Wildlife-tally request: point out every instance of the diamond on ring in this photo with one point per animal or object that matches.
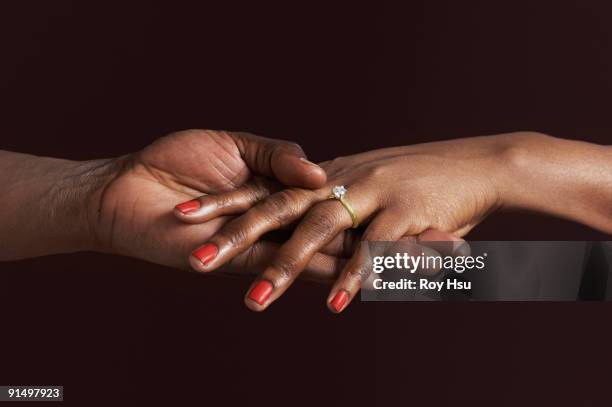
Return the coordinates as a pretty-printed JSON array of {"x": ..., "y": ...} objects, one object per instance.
[{"x": 338, "y": 191}]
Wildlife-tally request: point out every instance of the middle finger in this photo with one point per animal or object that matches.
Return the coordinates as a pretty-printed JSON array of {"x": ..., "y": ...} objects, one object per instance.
[{"x": 320, "y": 225}]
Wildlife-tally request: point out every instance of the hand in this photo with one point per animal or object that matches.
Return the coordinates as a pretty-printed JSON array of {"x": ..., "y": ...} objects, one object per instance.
[
  {"x": 129, "y": 213},
  {"x": 449, "y": 187},
  {"x": 133, "y": 217}
]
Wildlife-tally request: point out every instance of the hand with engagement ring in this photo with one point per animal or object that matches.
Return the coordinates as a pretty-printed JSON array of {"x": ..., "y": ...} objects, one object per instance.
[
  {"x": 395, "y": 193},
  {"x": 402, "y": 192}
]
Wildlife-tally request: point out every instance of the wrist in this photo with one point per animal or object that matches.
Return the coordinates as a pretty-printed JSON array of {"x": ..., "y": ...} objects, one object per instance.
[
  {"x": 564, "y": 178},
  {"x": 73, "y": 202},
  {"x": 515, "y": 161},
  {"x": 45, "y": 205}
]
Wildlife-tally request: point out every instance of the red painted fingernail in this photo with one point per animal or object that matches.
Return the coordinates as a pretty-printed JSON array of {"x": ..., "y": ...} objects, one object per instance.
[
  {"x": 206, "y": 253},
  {"x": 189, "y": 206},
  {"x": 261, "y": 292},
  {"x": 339, "y": 300}
]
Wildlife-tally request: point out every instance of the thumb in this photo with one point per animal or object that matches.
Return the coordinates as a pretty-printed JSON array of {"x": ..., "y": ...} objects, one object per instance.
[{"x": 279, "y": 159}]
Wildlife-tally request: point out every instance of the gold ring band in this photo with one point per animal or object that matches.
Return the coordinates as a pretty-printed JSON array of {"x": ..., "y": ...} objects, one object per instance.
[{"x": 338, "y": 194}]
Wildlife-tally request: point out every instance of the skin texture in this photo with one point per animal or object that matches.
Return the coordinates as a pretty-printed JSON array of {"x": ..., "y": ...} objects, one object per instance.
[
  {"x": 446, "y": 186},
  {"x": 125, "y": 205}
]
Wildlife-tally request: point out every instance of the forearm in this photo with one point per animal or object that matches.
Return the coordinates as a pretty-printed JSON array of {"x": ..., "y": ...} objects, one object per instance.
[
  {"x": 44, "y": 204},
  {"x": 565, "y": 178},
  {"x": 531, "y": 171}
]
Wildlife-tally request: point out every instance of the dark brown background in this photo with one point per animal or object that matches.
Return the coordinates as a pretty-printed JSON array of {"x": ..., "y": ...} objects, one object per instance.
[{"x": 95, "y": 80}]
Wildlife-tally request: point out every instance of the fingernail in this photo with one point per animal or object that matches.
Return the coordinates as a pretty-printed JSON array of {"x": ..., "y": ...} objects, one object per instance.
[
  {"x": 261, "y": 292},
  {"x": 308, "y": 162},
  {"x": 188, "y": 206},
  {"x": 339, "y": 300},
  {"x": 206, "y": 253}
]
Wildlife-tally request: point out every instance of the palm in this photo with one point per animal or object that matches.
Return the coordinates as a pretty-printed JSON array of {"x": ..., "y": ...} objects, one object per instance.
[{"x": 138, "y": 204}]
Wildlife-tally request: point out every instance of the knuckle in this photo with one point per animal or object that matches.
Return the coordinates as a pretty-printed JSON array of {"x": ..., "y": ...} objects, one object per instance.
[
  {"x": 279, "y": 201},
  {"x": 252, "y": 194},
  {"x": 322, "y": 222},
  {"x": 359, "y": 272},
  {"x": 234, "y": 234},
  {"x": 244, "y": 201},
  {"x": 286, "y": 267},
  {"x": 281, "y": 206},
  {"x": 375, "y": 171},
  {"x": 223, "y": 201}
]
